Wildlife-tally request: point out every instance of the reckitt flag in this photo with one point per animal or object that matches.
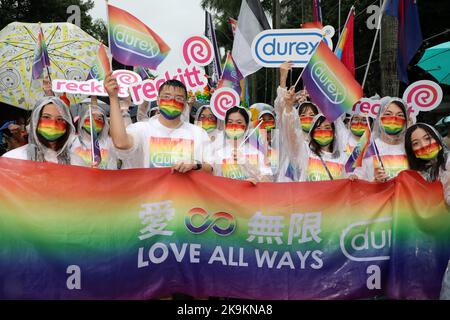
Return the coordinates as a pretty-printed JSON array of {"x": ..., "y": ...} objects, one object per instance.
[
  {"x": 132, "y": 43},
  {"x": 101, "y": 66},
  {"x": 330, "y": 85}
]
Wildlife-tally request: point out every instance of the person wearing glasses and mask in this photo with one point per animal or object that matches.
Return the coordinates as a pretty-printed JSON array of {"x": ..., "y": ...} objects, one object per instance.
[
  {"x": 205, "y": 119},
  {"x": 162, "y": 141}
]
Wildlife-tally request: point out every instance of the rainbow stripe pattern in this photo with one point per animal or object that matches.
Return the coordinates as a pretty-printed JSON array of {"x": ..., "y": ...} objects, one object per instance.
[
  {"x": 208, "y": 125},
  {"x": 392, "y": 125},
  {"x": 358, "y": 128},
  {"x": 323, "y": 137},
  {"x": 231, "y": 76},
  {"x": 101, "y": 66},
  {"x": 135, "y": 234},
  {"x": 132, "y": 42},
  {"x": 51, "y": 130},
  {"x": 234, "y": 130},
  {"x": 358, "y": 153},
  {"x": 166, "y": 152},
  {"x": 393, "y": 164},
  {"x": 86, "y": 155},
  {"x": 428, "y": 152},
  {"x": 330, "y": 85},
  {"x": 317, "y": 172},
  {"x": 170, "y": 108},
  {"x": 98, "y": 125},
  {"x": 41, "y": 59},
  {"x": 306, "y": 123}
]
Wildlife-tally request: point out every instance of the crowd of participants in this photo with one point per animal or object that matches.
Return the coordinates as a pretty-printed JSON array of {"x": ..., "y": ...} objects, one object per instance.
[{"x": 289, "y": 142}]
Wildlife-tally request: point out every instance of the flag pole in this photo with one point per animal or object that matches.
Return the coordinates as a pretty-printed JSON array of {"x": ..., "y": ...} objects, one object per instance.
[
  {"x": 342, "y": 31},
  {"x": 374, "y": 42},
  {"x": 92, "y": 135},
  {"x": 254, "y": 130},
  {"x": 339, "y": 15},
  {"x": 301, "y": 73},
  {"x": 109, "y": 35},
  {"x": 374, "y": 143}
]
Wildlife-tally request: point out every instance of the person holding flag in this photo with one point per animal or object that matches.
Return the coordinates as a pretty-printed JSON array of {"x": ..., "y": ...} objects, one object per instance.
[
  {"x": 357, "y": 126},
  {"x": 51, "y": 135},
  {"x": 94, "y": 139},
  {"x": 319, "y": 157},
  {"x": 388, "y": 137},
  {"x": 162, "y": 141},
  {"x": 234, "y": 156},
  {"x": 428, "y": 154}
]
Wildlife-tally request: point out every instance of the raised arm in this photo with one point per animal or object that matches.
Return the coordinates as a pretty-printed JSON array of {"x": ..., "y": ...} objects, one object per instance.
[{"x": 121, "y": 139}]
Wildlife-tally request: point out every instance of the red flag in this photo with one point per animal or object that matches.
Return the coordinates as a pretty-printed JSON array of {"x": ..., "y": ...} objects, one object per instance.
[{"x": 345, "y": 47}]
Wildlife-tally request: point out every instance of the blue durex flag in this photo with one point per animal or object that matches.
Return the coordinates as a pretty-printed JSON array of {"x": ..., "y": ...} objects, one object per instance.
[{"x": 409, "y": 33}]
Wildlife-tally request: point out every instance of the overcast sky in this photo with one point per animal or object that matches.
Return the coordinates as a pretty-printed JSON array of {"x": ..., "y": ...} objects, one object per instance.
[{"x": 173, "y": 20}]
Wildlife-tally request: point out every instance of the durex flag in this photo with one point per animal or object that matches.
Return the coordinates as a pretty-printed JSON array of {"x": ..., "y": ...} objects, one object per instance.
[
  {"x": 133, "y": 43},
  {"x": 329, "y": 83},
  {"x": 409, "y": 33}
]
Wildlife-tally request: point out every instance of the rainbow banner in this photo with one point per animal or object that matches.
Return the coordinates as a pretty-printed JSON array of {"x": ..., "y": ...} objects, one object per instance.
[
  {"x": 40, "y": 57},
  {"x": 133, "y": 43},
  {"x": 71, "y": 232},
  {"x": 101, "y": 66},
  {"x": 330, "y": 85}
]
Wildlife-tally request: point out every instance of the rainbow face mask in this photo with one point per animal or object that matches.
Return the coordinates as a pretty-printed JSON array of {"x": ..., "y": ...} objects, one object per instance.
[
  {"x": 51, "y": 130},
  {"x": 234, "y": 131},
  {"x": 170, "y": 108},
  {"x": 98, "y": 125},
  {"x": 208, "y": 125},
  {"x": 429, "y": 152},
  {"x": 268, "y": 125},
  {"x": 392, "y": 125},
  {"x": 306, "y": 123},
  {"x": 323, "y": 136},
  {"x": 358, "y": 128}
]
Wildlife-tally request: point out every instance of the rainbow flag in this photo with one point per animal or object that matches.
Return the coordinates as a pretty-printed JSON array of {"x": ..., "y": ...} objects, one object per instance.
[
  {"x": 330, "y": 85},
  {"x": 344, "y": 49},
  {"x": 101, "y": 66},
  {"x": 317, "y": 11},
  {"x": 231, "y": 76},
  {"x": 144, "y": 73},
  {"x": 40, "y": 56},
  {"x": 121, "y": 231},
  {"x": 359, "y": 152},
  {"x": 132, "y": 42}
]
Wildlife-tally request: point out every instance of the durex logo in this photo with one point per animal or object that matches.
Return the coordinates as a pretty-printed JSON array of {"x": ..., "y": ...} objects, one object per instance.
[
  {"x": 328, "y": 83},
  {"x": 135, "y": 42},
  {"x": 367, "y": 240},
  {"x": 271, "y": 48}
]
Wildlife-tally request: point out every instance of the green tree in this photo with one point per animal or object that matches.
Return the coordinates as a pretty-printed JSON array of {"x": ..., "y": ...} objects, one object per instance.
[{"x": 50, "y": 11}]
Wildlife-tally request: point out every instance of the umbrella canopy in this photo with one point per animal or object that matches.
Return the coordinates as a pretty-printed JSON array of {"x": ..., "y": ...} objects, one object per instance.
[
  {"x": 71, "y": 51},
  {"x": 436, "y": 61}
]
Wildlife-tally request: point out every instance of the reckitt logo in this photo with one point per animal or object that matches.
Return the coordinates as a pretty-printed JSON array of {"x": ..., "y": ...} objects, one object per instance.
[
  {"x": 135, "y": 42},
  {"x": 328, "y": 83}
]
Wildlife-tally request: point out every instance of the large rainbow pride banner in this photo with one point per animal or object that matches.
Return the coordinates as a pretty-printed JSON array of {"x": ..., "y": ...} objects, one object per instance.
[{"x": 80, "y": 233}]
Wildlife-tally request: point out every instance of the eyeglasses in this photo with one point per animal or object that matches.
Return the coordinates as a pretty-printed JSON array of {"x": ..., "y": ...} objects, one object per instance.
[{"x": 180, "y": 99}]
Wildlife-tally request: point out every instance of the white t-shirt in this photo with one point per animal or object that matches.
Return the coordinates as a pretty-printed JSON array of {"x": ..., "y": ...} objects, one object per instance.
[
  {"x": 157, "y": 146},
  {"x": 109, "y": 157},
  {"x": 315, "y": 170},
  {"x": 393, "y": 158},
  {"x": 250, "y": 164}
]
